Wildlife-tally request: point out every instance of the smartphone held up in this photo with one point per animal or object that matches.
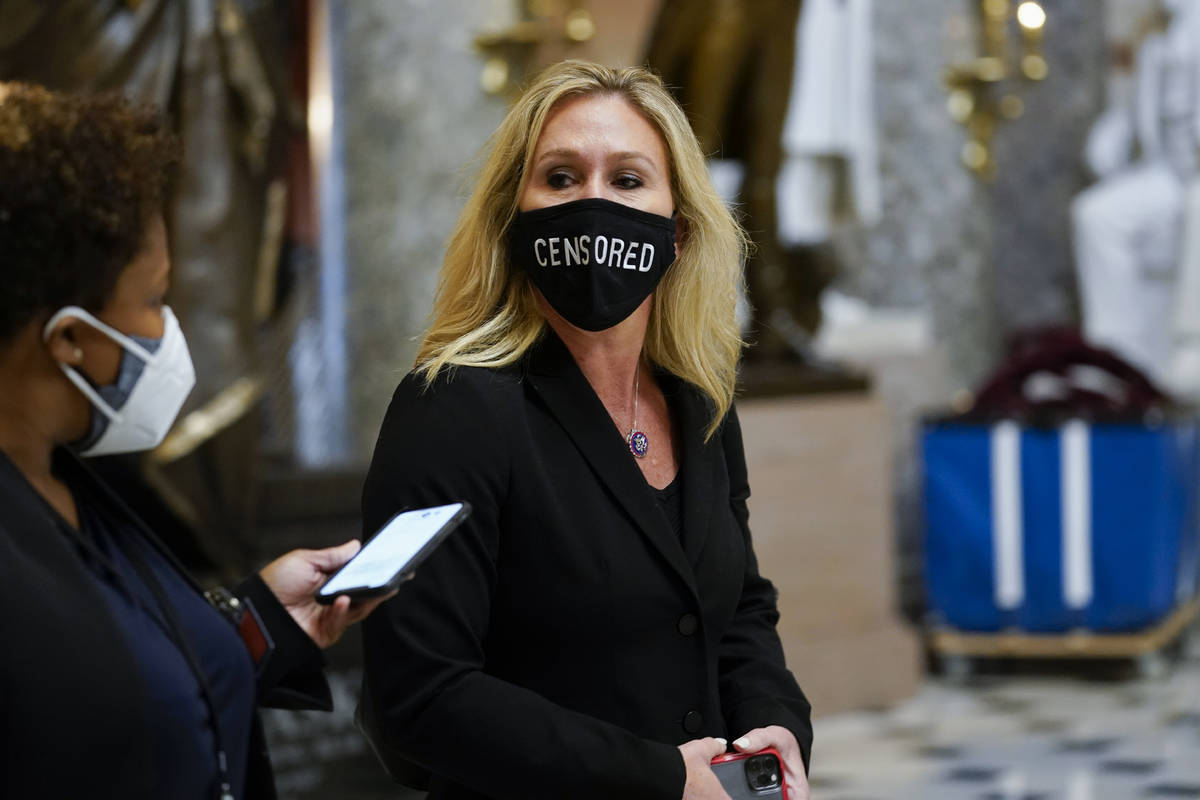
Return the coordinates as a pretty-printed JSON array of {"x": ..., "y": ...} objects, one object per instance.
[{"x": 394, "y": 552}]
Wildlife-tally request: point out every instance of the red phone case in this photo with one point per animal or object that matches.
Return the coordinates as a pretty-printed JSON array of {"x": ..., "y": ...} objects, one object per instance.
[{"x": 730, "y": 771}]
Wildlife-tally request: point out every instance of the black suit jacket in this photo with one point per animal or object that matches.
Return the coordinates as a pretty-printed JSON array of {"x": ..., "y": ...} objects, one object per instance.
[
  {"x": 73, "y": 713},
  {"x": 564, "y": 640}
]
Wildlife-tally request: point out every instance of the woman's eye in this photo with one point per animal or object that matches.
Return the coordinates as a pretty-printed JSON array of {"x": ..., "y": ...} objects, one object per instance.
[
  {"x": 558, "y": 180},
  {"x": 628, "y": 181}
]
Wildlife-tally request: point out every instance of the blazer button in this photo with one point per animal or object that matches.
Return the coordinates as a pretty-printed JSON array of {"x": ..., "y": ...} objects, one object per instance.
[
  {"x": 688, "y": 624},
  {"x": 693, "y": 722}
]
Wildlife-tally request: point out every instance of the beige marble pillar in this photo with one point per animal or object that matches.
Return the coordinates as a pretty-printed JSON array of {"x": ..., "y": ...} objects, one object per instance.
[{"x": 821, "y": 516}]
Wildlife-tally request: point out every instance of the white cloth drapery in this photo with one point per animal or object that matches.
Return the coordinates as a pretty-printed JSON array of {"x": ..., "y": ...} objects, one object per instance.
[{"x": 831, "y": 162}]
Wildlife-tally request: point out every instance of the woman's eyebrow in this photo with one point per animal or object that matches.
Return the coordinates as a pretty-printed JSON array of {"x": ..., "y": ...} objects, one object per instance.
[
  {"x": 558, "y": 152},
  {"x": 647, "y": 164},
  {"x": 623, "y": 155},
  {"x": 631, "y": 155}
]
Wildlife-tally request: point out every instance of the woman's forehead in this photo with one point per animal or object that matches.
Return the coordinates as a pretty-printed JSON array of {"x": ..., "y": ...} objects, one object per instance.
[
  {"x": 151, "y": 266},
  {"x": 600, "y": 123}
]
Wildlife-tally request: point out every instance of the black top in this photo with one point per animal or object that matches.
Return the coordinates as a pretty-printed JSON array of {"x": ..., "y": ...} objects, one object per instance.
[
  {"x": 185, "y": 760},
  {"x": 670, "y": 502},
  {"x": 564, "y": 640},
  {"x": 76, "y": 717}
]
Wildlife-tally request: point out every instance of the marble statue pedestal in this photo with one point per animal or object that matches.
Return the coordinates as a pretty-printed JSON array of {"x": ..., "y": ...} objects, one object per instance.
[{"x": 821, "y": 515}]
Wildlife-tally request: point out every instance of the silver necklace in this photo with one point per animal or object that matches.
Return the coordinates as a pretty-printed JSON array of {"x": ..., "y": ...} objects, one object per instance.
[{"x": 639, "y": 443}]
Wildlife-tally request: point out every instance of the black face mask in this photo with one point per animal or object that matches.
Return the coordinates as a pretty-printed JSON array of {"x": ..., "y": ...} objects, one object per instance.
[{"x": 594, "y": 260}]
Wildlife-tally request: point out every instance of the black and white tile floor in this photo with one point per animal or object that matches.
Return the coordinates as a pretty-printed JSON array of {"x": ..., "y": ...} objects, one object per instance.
[{"x": 1032, "y": 737}]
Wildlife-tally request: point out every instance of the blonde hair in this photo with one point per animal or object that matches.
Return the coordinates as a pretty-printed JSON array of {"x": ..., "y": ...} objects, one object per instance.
[{"x": 485, "y": 312}]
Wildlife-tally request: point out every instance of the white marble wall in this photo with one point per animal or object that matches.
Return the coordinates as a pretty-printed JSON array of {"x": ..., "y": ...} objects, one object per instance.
[
  {"x": 1042, "y": 169},
  {"x": 984, "y": 259}
]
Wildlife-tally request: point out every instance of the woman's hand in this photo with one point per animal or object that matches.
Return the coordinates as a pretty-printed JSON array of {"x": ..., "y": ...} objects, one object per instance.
[
  {"x": 294, "y": 579},
  {"x": 785, "y": 743},
  {"x": 702, "y": 783}
]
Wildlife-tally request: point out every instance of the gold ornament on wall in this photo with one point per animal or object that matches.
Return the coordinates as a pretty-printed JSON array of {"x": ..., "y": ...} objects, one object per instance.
[
  {"x": 509, "y": 54},
  {"x": 983, "y": 90}
]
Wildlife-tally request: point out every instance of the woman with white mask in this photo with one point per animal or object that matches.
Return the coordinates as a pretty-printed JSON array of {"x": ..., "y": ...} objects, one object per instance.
[{"x": 118, "y": 676}]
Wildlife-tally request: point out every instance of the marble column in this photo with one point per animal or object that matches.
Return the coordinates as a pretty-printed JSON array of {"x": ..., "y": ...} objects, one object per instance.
[
  {"x": 408, "y": 118},
  {"x": 1040, "y": 169},
  {"x": 931, "y": 249}
]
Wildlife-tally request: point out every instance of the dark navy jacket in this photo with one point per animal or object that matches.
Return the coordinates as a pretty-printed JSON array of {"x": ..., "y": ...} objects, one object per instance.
[{"x": 72, "y": 711}]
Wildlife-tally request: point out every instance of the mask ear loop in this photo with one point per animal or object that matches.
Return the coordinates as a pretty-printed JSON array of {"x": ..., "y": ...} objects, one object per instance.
[
  {"x": 73, "y": 374},
  {"x": 112, "y": 333},
  {"x": 82, "y": 384}
]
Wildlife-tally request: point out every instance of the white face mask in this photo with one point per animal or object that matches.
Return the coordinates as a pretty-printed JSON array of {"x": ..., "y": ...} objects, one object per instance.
[{"x": 141, "y": 407}]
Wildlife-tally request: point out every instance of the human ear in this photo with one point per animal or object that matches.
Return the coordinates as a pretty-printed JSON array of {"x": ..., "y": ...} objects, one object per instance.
[
  {"x": 681, "y": 232},
  {"x": 62, "y": 342}
]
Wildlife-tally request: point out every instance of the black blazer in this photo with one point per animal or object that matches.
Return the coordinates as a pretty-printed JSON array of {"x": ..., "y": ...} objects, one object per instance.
[
  {"x": 72, "y": 712},
  {"x": 564, "y": 640}
]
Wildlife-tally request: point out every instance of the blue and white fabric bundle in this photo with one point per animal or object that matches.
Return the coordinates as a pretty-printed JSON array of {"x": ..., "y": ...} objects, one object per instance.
[{"x": 1049, "y": 519}]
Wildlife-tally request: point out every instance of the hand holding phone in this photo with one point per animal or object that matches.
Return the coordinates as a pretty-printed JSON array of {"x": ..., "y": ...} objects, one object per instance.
[
  {"x": 783, "y": 743},
  {"x": 699, "y": 781},
  {"x": 751, "y": 776},
  {"x": 294, "y": 579},
  {"x": 394, "y": 552}
]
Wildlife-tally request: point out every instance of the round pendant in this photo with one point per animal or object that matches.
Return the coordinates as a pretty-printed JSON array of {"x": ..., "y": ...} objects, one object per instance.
[{"x": 638, "y": 444}]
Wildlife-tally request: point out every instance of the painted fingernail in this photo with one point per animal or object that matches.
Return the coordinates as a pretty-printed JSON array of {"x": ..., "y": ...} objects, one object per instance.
[{"x": 722, "y": 741}]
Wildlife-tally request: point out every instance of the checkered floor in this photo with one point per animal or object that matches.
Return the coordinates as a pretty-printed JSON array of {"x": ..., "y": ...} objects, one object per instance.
[
  {"x": 1095, "y": 734},
  {"x": 1035, "y": 736}
]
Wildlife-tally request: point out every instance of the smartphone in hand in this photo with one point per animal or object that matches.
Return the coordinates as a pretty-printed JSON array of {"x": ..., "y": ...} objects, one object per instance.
[
  {"x": 751, "y": 776},
  {"x": 394, "y": 552}
]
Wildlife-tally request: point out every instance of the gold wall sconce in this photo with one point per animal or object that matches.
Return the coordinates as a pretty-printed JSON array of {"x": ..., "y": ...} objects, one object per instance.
[
  {"x": 982, "y": 91},
  {"x": 509, "y": 54}
]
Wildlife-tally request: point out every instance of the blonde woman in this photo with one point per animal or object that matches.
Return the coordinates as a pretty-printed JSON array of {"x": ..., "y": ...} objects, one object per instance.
[{"x": 598, "y": 628}]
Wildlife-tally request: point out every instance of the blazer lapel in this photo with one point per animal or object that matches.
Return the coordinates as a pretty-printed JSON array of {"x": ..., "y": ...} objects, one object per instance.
[
  {"x": 697, "y": 464},
  {"x": 553, "y": 374}
]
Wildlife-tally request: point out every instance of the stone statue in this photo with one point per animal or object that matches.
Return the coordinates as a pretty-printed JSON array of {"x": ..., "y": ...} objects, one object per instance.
[
  {"x": 732, "y": 64},
  {"x": 199, "y": 61},
  {"x": 1129, "y": 226}
]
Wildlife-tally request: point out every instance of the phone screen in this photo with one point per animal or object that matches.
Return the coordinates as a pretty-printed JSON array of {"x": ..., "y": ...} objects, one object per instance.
[{"x": 390, "y": 552}]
